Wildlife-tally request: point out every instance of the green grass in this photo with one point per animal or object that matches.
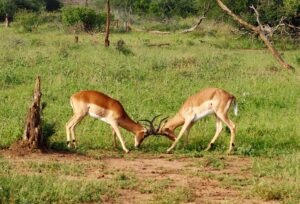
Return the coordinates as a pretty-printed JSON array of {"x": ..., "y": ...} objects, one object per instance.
[
  {"x": 42, "y": 182},
  {"x": 278, "y": 178},
  {"x": 150, "y": 81}
]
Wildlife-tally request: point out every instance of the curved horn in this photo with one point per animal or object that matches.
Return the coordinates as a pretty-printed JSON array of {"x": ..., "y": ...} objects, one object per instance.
[
  {"x": 161, "y": 121},
  {"x": 150, "y": 125},
  {"x": 152, "y": 130},
  {"x": 153, "y": 119}
]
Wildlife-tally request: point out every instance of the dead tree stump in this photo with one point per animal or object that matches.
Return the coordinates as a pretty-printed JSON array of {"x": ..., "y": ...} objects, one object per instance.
[{"x": 33, "y": 138}]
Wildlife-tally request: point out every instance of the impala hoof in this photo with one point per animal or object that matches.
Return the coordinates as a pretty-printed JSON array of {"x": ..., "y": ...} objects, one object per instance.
[
  {"x": 169, "y": 151},
  {"x": 209, "y": 147}
]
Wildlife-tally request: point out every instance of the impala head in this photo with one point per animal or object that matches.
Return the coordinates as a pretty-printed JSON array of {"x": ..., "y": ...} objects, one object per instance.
[
  {"x": 165, "y": 131},
  {"x": 150, "y": 129}
]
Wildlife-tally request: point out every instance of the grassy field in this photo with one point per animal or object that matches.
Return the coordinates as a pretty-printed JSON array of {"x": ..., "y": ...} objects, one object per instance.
[{"x": 149, "y": 81}]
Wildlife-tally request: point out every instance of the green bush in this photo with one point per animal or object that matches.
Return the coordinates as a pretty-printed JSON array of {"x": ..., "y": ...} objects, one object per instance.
[
  {"x": 28, "y": 21},
  {"x": 87, "y": 16},
  {"x": 7, "y": 7},
  {"x": 53, "y": 5}
]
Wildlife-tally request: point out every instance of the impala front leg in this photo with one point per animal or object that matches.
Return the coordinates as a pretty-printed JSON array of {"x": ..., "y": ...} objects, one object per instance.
[
  {"x": 115, "y": 144},
  {"x": 118, "y": 133},
  {"x": 185, "y": 126}
]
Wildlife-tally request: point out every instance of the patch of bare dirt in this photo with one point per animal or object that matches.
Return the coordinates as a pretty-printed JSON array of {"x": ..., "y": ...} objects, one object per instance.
[{"x": 205, "y": 182}]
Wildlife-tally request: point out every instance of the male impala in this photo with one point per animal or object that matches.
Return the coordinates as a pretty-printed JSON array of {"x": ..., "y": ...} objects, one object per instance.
[
  {"x": 102, "y": 107},
  {"x": 208, "y": 101}
]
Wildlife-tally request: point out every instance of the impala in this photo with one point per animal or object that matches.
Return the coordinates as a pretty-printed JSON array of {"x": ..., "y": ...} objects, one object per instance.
[
  {"x": 208, "y": 101},
  {"x": 111, "y": 111}
]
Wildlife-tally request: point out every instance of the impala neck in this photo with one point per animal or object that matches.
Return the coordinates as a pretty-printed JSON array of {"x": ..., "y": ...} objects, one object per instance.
[
  {"x": 174, "y": 122},
  {"x": 130, "y": 125}
]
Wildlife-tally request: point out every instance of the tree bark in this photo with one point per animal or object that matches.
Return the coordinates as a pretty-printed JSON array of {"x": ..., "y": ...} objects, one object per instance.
[
  {"x": 107, "y": 24},
  {"x": 33, "y": 137},
  {"x": 6, "y": 21},
  {"x": 257, "y": 30}
]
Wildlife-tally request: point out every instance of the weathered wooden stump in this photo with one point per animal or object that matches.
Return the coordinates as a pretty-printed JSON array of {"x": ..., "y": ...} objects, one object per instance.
[{"x": 33, "y": 137}]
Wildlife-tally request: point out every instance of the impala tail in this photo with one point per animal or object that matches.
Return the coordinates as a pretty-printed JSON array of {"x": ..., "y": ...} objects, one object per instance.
[{"x": 235, "y": 107}]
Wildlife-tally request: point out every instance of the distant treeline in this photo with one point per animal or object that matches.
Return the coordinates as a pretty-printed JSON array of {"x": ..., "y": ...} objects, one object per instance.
[
  {"x": 10, "y": 7},
  {"x": 270, "y": 11}
]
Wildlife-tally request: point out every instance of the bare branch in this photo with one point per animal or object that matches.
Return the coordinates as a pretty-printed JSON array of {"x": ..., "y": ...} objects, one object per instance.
[
  {"x": 257, "y": 30},
  {"x": 257, "y": 17},
  {"x": 199, "y": 21}
]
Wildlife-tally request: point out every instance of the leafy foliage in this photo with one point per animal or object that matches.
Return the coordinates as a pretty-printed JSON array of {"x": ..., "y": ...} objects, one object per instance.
[
  {"x": 11, "y": 6},
  {"x": 7, "y": 7},
  {"x": 87, "y": 16},
  {"x": 28, "y": 21},
  {"x": 271, "y": 11}
]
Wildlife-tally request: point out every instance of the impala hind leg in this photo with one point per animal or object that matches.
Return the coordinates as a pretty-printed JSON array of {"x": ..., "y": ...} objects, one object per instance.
[
  {"x": 232, "y": 128},
  {"x": 115, "y": 144},
  {"x": 219, "y": 128},
  {"x": 118, "y": 133},
  {"x": 72, "y": 124},
  {"x": 68, "y": 131},
  {"x": 183, "y": 129}
]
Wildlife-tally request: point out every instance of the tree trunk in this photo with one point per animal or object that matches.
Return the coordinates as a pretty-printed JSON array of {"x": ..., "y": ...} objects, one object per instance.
[
  {"x": 107, "y": 24},
  {"x": 33, "y": 137},
  {"x": 6, "y": 21},
  {"x": 257, "y": 30}
]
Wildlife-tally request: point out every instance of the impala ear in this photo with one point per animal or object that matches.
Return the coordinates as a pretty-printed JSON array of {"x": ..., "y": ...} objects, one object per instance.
[{"x": 164, "y": 129}]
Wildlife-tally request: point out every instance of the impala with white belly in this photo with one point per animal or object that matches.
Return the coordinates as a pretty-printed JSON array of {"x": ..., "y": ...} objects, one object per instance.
[
  {"x": 208, "y": 101},
  {"x": 109, "y": 110}
]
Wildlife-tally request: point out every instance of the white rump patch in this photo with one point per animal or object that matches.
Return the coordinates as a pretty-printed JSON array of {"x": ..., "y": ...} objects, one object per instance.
[{"x": 98, "y": 117}]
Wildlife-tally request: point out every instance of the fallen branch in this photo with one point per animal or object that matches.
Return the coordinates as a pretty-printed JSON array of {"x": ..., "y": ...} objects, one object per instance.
[
  {"x": 268, "y": 30},
  {"x": 158, "y": 44},
  {"x": 199, "y": 21},
  {"x": 259, "y": 30},
  {"x": 194, "y": 27},
  {"x": 158, "y": 32}
]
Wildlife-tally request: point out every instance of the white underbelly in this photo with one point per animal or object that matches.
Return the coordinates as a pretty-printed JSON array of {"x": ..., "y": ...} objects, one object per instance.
[
  {"x": 202, "y": 114},
  {"x": 98, "y": 117}
]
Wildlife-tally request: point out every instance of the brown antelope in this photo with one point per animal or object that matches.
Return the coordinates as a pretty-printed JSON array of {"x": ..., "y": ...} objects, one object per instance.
[
  {"x": 208, "y": 101},
  {"x": 111, "y": 111}
]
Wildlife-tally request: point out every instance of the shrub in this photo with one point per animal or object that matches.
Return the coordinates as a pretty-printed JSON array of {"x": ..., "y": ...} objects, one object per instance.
[
  {"x": 53, "y": 5},
  {"x": 49, "y": 17},
  {"x": 7, "y": 7},
  {"x": 87, "y": 16},
  {"x": 28, "y": 21},
  {"x": 122, "y": 48}
]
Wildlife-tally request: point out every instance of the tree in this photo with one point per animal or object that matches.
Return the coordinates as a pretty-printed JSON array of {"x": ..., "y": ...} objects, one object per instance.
[
  {"x": 8, "y": 7},
  {"x": 259, "y": 30},
  {"x": 107, "y": 24}
]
